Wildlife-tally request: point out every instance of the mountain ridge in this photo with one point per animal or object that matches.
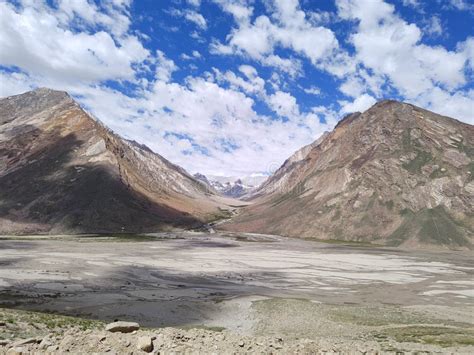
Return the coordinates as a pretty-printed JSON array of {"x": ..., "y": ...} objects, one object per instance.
[
  {"x": 61, "y": 170},
  {"x": 381, "y": 176}
]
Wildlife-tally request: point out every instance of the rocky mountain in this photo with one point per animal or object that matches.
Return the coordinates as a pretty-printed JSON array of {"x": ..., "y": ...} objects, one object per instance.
[
  {"x": 228, "y": 186},
  {"x": 394, "y": 175},
  {"x": 62, "y": 171}
]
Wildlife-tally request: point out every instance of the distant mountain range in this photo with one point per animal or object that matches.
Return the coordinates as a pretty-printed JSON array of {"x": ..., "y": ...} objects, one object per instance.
[
  {"x": 62, "y": 171},
  {"x": 232, "y": 186},
  {"x": 394, "y": 175}
]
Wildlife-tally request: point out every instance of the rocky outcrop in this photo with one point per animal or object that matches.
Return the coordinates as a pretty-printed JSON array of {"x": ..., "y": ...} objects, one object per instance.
[
  {"x": 62, "y": 171},
  {"x": 122, "y": 327},
  {"x": 394, "y": 175}
]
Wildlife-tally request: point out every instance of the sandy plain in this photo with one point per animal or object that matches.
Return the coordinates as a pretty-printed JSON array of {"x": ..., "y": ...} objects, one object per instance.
[{"x": 251, "y": 285}]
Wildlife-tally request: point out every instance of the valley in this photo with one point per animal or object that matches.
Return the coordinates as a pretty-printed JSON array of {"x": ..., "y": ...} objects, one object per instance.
[
  {"x": 360, "y": 242},
  {"x": 245, "y": 286}
]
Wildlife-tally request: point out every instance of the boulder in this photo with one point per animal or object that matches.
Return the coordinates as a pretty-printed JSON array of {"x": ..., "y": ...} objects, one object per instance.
[
  {"x": 15, "y": 351},
  {"x": 145, "y": 343},
  {"x": 122, "y": 327}
]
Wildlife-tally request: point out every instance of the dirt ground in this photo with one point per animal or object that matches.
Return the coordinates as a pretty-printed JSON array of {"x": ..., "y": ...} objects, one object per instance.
[{"x": 297, "y": 295}]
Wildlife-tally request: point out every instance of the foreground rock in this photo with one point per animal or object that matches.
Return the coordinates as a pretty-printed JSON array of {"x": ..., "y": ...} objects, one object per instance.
[
  {"x": 122, "y": 327},
  {"x": 55, "y": 334},
  {"x": 145, "y": 343}
]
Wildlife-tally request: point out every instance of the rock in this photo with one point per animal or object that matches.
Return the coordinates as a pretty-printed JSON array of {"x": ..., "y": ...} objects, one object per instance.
[
  {"x": 241, "y": 343},
  {"x": 145, "y": 343},
  {"x": 15, "y": 351},
  {"x": 52, "y": 348},
  {"x": 3, "y": 342},
  {"x": 2, "y": 324},
  {"x": 26, "y": 341},
  {"x": 122, "y": 327},
  {"x": 45, "y": 343}
]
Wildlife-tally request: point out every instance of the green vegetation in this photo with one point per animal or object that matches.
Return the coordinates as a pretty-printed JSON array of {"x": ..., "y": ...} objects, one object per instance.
[
  {"x": 436, "y": 335},
  {"x": 414, "y": 166},
  {"x": 468, "y": 150},
  {"x": 117, "y": 237},
  {"x": 431, "y": 225},
  {"x": 210, "y": 328},
  {"x": 389, "y": 204},
  {"x": 471, "y": 170},
  {"x": 222, "y": 214},
  {"x": 438, "y": 173},
  {"x": 351, "y": 243},
  {"x": 46, "y": 321},
  {"x": 406, "y": 139}
]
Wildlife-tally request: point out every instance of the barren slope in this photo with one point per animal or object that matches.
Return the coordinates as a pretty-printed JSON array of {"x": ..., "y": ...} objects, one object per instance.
[
  {"x": 395, "y": 174},
  {"x": 62, "y": 171}
]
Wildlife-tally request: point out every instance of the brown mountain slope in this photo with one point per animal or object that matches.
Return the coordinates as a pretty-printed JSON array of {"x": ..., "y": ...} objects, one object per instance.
[
  {"x": 395, "y": 175},
  {"x": 61, "y": 171}
]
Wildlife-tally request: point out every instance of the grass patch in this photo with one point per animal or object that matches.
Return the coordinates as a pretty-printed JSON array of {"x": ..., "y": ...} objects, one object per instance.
[
  {"x": 49, "y": 320},
  {"x": 470, "y": 168},
  {"x": 435, "y": 335},
  {"x": 117, "y": 237},
  {"x": 468, "y": 150},
  {"x": 204, "y": 327},
  {"x": 422, "y": 158},
  {"x": 406, "y": 139},
  {"x": 344, "y": 242},
  {"x": 430, "y": 225}
]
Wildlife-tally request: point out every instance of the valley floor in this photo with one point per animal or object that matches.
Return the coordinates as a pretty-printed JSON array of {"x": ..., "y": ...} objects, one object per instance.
[{"x": 229, "y": 292}]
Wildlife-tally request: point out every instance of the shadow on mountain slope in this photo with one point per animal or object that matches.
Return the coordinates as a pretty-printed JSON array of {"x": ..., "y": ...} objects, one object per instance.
[{"x": 46, "y": 192}]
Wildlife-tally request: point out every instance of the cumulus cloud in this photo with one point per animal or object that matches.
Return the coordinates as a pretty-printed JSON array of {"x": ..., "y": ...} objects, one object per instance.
[
  {"x": 245, "y": 117},
  {"x": 360, "y": 104},
  {"x": 34, "y": 39},
  {"x": 392, "y": 50},
  {"x": 288, "y": 27}
]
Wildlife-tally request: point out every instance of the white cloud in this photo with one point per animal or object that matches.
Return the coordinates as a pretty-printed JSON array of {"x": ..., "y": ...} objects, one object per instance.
[
  {"x": 164, "y": 67},
  {"x": 239, "y": 9},
  {"x": 360, "y": 104},
  {"x": 391, "y": 48},
  {"x": 253, "y": 84},
  {"x": 284, "y": 104},
  {"x": 218, "y": 128},
  {"x": 34, "y": 38},
  {"x": 191, "y": 16},
  {"x": 196, "y": 18},
  {"x": 462, "y": 5},
  {"x": 210, "y": 123},
  {"x": 433, "y": 27},
  {"x": 196, "y": 3},
  {"x": 288, "y": 27},
  {"x": 313, "y": 90},
  {"x": 412, "y": 3},
  {"x": 14, "y": 83}
]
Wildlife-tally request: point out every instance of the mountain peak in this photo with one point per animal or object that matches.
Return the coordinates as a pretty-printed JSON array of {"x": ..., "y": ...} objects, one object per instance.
[
  {"x": 62, "y": 171},
  {"x": 381, "y": 176}
]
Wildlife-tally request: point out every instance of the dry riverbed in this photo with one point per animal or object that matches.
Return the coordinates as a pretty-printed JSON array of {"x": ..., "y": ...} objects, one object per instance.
[{"x": 220, "y": 291}]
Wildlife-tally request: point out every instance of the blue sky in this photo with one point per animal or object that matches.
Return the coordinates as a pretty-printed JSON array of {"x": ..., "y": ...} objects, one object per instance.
[{"x": 235, "y": 87}]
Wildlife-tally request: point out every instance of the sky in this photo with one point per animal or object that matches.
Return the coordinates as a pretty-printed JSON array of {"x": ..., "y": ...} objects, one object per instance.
[{"x": 234, "y": 87}]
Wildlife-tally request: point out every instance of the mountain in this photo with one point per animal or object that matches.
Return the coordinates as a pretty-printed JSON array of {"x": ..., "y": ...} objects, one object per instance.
[
  {"x": 279, "y": 179},
  {"x": 62, "y": 171},
  {"x": 230, "y": 186},
  {"x": 393, "y": 175}
]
